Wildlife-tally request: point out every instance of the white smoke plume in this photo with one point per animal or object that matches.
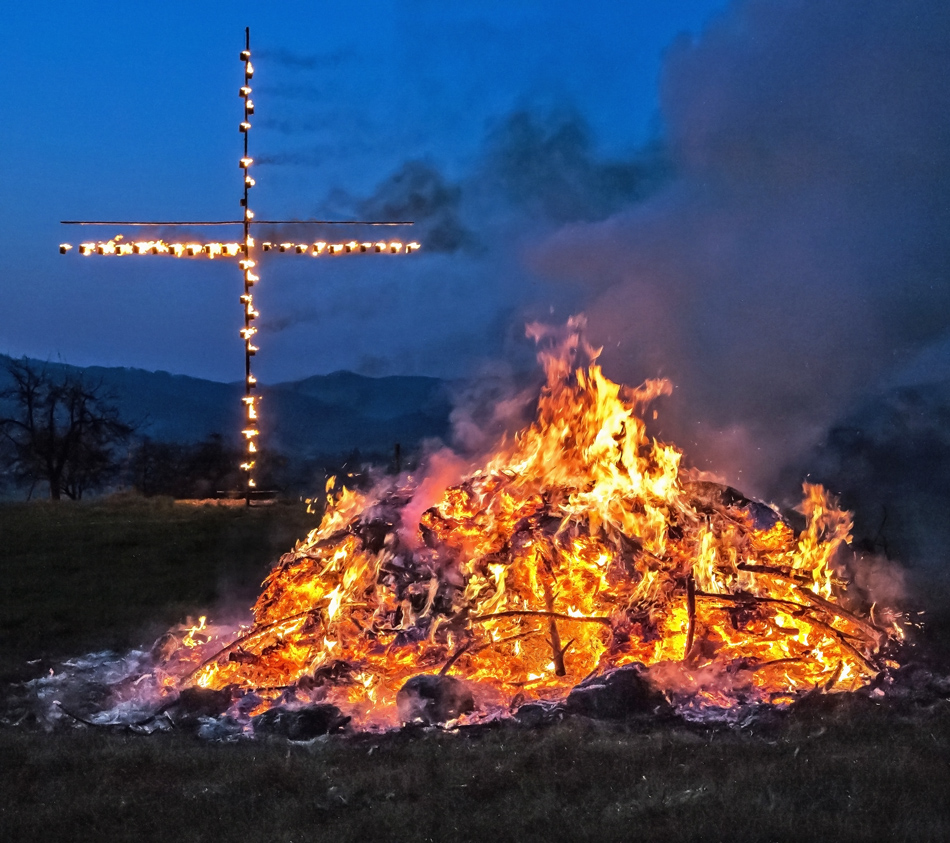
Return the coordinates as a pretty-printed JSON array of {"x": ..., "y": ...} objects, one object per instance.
[{"x": 800, "y": 255}]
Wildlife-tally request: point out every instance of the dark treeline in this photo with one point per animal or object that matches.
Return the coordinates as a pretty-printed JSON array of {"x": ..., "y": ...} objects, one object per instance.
[{"x": 62, "y": 436}]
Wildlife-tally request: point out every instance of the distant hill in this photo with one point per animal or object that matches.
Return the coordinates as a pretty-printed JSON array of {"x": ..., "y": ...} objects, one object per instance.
[{"x": 320, "y": 416}]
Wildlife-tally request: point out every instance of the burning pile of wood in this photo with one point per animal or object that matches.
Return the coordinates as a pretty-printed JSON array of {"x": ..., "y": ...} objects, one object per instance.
[
  {"x": 580, "y": 556},
  {"x": 580, "y": 547}
]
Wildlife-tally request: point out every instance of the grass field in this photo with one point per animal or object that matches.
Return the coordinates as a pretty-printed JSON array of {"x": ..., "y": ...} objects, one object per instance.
[
  {"x": 114, "y": 574},
  {"x": 79, "y": 577}
]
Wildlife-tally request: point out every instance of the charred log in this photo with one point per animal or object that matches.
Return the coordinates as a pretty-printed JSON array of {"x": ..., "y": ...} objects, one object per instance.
[
  {"x": 433, "y": 700},
  {"x": 301, "y": 724},
  {"x": 615, "y": 695}
]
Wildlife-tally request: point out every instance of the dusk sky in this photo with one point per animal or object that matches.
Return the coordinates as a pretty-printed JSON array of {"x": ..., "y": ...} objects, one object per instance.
[
  {"x": 120, "y": 111},
  {"x": 748, "y": 197}
]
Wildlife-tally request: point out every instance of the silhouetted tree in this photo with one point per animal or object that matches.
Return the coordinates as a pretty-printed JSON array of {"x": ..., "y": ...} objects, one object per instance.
[{"x": 60, "y": 429}]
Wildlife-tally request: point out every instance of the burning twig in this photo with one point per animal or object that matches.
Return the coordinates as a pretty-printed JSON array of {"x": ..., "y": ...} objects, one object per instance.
[
  {"x": 455, "y": 657},
  {"x": 536, "y": 613},
  {"x": 691, "y": 613},
  {"x": 234, "y": 645},
  {"x": 843, "y": 641},
  {"x": 875, "y": 634},
  {"x": 553, "y": 638},
  {"x": 751, "y": 599},
  {"x": 774, "y": 571}
]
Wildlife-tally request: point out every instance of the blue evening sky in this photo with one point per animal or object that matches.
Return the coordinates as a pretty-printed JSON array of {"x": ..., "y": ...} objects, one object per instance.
[{"x": 118, "y": 110}]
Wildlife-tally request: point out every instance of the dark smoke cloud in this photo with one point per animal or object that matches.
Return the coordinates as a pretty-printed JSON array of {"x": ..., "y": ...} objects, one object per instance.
[
  {"x": 547, "y": 164},
  {"x": 801, "y": 253},
  {"x": 419, "y": 192},
  {"x": 533, "y": 169}
]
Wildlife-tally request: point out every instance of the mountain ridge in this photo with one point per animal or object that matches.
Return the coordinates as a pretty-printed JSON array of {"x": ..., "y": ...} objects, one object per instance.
[{"x": 316, "y": 416}]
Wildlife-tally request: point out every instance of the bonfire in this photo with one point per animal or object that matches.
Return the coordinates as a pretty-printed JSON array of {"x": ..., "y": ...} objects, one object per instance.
[{"x": 581, "y": 547}]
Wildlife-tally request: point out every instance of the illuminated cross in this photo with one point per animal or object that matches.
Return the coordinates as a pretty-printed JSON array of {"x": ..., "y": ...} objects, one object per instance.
[{"x": 244, "y": 250}]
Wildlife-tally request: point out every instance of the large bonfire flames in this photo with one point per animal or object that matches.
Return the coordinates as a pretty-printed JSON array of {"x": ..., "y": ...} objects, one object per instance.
[{"x": 580, "y": 547}]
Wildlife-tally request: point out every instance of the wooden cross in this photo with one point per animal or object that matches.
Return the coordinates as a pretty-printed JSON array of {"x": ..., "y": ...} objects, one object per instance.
[{"x": 244, "y": 250}]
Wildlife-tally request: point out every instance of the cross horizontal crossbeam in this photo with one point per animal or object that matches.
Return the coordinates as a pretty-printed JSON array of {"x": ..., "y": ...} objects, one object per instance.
[{"x": 236, "y": 222}]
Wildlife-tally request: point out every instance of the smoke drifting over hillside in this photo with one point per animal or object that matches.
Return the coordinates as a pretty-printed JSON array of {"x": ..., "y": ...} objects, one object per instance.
[{"x": 801, "y": 253}]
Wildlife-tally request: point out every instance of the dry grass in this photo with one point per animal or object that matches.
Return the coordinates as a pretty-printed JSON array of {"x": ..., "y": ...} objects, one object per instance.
[
  {"x": 879, "y": 776},
  {"x": 78, "y": 577}
]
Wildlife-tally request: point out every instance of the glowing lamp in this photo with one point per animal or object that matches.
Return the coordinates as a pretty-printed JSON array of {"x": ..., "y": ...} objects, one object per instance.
[
  {"x": 245, "y": 163},
  {"x": 300, "y": 248},
  {"x": 244, "y": 126},
  {"x": 249, "y": 107},
  {"x": 245, "y": 91},
  {"x": 266, "y": 246},
  {"x": 248, "y": 70},
  {"x": 64, "y": 247},
  {"x": 245, "y": 55},
  {"x": 411, "y": 247}
]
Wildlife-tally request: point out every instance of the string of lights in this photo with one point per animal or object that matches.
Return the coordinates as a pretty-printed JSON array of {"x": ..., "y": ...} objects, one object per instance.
[
  {"x": 117, "y": 246},
  {"x": 245, "y": 251},
  {"x": 247, "y": 264}
]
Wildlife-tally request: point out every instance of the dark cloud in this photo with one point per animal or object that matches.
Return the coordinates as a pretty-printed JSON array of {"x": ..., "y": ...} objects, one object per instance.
[
  {"x": 419, "y": 192},
  {"x": 533, "y": 169},
  {"x": 547, "y": 164},
  {"x": 800, "y": 255}
]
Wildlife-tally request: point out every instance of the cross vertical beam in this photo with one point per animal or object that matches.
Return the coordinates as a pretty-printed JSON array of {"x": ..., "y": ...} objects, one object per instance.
[{"x": 247, "y": 300}]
